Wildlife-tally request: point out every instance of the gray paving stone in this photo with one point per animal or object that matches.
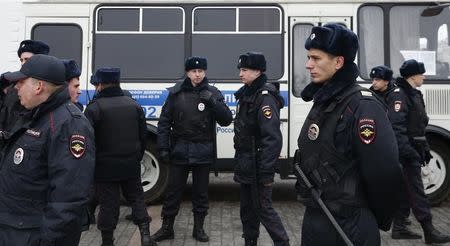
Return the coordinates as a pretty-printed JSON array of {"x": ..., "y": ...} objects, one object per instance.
[{"x": 223, "y": 223}]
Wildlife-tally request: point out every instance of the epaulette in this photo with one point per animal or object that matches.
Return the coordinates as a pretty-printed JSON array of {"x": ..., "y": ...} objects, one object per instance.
[
  {"x": 264, "y": 92},
  {"x": 397, "y": 90},
  {"x": 366, "y": 93},
  {"x": 73, "y": 110}
]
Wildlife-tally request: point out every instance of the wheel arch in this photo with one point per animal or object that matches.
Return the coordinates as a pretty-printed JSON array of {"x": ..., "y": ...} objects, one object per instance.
[{"x": 437, "y": 131}]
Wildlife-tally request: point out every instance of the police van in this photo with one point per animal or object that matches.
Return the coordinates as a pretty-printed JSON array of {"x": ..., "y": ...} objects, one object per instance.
[{"x": 149, "y": 41}]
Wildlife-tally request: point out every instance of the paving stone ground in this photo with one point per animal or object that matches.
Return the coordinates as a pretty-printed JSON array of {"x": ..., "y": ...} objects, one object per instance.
[{"x": 223, "y": 224}]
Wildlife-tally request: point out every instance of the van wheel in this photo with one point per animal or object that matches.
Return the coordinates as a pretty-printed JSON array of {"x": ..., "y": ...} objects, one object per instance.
[
  {"x": 154, "y": 175},
  {"x": 435, "y": 175}
]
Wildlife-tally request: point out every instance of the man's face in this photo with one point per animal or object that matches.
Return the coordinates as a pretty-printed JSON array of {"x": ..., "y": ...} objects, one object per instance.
[
  {"x": 27, "y": 90},
  {"x": 196, "y": 76},
  {"x": 248, "y": 75},
  {"x": 418, "y": 79},
  {"x": 322, "y": 66},
  {"x": 74, "y": 89},
  {"x": 25, "y": 56},
  {"x": 379, "y": 84}
]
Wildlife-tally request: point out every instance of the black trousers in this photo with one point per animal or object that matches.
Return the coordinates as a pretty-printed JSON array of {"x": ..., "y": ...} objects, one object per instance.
[
  {"x": 10, "y": 236},
  {"x": 177, "y": 182},
  {"x": 108, "y": 195},
  {"x": 251, "y": 217},
  {"x": 414, "y": 197},
  {"x": 360, "y": 226}
]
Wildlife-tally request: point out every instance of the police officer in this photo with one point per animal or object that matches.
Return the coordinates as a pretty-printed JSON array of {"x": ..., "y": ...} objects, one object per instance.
[
  {"x": 4, "y": 83},
  {"x": 186, "y": 134},
  {"x": 47, "y": 164},
  {"x": 258, "y": 144},
  {"x": 119, "y": 125},
  {"x": 73, "y": 73},
  {"x": 27, "y": 49},
  {"x": 340, "y": 145},
  {"x": 382, "y": 83},
  {"x": 409, "y": 120}
]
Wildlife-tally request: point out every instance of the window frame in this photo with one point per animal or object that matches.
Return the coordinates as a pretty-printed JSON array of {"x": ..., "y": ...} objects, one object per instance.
[
  {"x": 80, "y": 62},
  {"x": 237, "y": 31},
  {"x": 141, "y": 13},
  {"x": 386, "y": 7}
]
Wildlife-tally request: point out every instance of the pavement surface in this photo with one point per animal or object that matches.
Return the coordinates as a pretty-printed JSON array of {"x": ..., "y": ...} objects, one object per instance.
[{"x": 223, "y": 223}]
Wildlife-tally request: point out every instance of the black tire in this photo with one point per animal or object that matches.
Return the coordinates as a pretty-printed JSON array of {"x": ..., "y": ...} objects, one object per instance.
[
  {"x": 154, "y": 175},
  {"x": 436, "y": 175}
]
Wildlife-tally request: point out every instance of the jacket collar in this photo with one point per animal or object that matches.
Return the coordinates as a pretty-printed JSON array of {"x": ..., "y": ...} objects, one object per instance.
[
  {"x": 403, "y": 83},
  {"x": 341, "y": 79},
  {"x": 251, "y": 89},
  {"x": 114, "y": 91}
]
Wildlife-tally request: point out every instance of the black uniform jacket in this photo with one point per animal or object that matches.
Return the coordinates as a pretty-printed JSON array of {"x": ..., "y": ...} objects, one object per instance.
[
  {"x": 179, "y": 139},
  {"x": 259, "y": 115},
  {"x": 382, "y": 95},
  {"x": 47, "y": 168},
  {"x": 400, "y": 108},
  {"x": 364, "y": 135},
  {"x": 11, "y": 109},
  {"x": 120, "y": 128}
]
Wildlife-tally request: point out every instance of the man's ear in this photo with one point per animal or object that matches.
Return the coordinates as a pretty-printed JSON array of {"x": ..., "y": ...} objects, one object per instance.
[
  {"x": 40, "y": 87},
  {"x": 339, "y": 62}
]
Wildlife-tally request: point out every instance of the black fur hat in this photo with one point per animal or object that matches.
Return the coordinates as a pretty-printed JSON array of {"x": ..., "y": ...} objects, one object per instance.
[
  {"x": 41, "y": 67},
  {"x": 33, "y": 46},
  {"x": 381, "y": 72},
  {"x": 334, "y": 39},
  {"x": 110, "y": 75},
  {"x": 195, "y": 62},
  {"x": 252, "y": 60},
  {"x": 93, "y": 80},
  {"x": 72, "y": 69},
  {"x": 411, "y": 67}
]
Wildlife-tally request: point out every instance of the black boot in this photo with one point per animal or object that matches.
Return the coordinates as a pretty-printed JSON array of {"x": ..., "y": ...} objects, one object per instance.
[
  {"x": 166, "y": 230},
  {"x": 91, "y": 213},
  {"x": 144, "y": 229},
  {"x": 432, "y": 235},
  {"x": 251, "y": 242},
  {"x": 107, "y": 238},
  {"x": 198, "y": 233},
  {"x": 400, "y": 230}
]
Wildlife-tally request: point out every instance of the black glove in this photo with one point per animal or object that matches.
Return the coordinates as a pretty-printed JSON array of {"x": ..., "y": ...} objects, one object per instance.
[
  {"x": 4, "y": 82},
  {"x": 164, "y": 155},
  {"x": 428, "y": 156},
  {"x": 208, "y": 98}
]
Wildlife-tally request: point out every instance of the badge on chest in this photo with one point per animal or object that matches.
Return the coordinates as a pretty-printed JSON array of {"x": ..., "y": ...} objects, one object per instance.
[
  {"x": 313, "y": 132},
  {"x": 201, "y": 107},
  {"x": 18, "y": 156}
]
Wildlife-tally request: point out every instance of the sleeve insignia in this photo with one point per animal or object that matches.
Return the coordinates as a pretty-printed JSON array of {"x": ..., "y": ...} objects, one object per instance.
[
  {"x": 397, "y": 106},
  {"x": 77, "y": 145},
  {"x": 267, "y": 112},
  {"x": 367, "y": 130}
]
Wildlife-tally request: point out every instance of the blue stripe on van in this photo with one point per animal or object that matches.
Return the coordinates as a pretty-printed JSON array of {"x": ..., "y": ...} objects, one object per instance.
[{"x": 158, "y": 97}]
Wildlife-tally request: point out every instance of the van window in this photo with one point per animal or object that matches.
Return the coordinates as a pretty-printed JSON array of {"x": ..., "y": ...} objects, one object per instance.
[
  {"x": 371, "y": 39},
  {"x": 422, "y": 38},
  {"x": 59, "y": 37},
  {"x": 153, "y": 50},
  {"x": 217, "y": 36}
]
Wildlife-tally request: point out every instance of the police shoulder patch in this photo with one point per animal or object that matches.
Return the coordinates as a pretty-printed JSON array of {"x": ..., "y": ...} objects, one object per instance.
[
  {"x": 77, "y": 145},
  {"x": 367, "y": 130},
  {"x": 267, "y": 111},
  {"x": 397, "y": 106}
]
